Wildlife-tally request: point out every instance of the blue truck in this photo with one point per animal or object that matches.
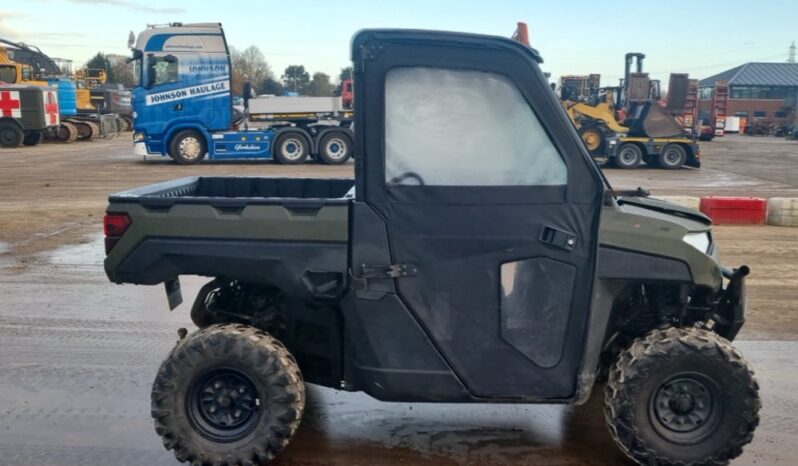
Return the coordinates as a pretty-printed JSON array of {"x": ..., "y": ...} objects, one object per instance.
[{"x": 183, "y": 106}]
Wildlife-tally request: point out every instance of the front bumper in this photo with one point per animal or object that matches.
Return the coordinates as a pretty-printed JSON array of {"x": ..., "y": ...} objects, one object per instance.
[
  {"x": 140, "y": 149},
  {"x": 730, "y": 312}
]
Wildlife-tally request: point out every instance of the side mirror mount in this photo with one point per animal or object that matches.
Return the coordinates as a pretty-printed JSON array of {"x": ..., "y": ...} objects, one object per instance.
[{"x": 150, "y": 71}]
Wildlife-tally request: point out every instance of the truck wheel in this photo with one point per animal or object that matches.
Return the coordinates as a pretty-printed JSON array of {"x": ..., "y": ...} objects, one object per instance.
[
  {"x": 11, "y": 135},
  {"x": 33, "y": 138},
  {"x": 187, "y": 147},
  {"x": 291, "y": 148},
  {"x": 335, "y": 149},
  {"x": 227, "y": 395},
  {"x": 681, "y": 396},
  {"x": 672, "y": 157},
  {"x": 629, "y": 156}
]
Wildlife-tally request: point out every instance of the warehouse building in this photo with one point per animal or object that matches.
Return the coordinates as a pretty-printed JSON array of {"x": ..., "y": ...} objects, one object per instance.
[{"x": 758, "y": 93}]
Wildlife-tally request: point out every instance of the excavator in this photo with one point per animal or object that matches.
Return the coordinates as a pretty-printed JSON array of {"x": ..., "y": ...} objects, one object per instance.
[
  {"x": 96, "y": 94},
  {"x": 625, "y": 124},
  {"x": 24, "y": 64}
]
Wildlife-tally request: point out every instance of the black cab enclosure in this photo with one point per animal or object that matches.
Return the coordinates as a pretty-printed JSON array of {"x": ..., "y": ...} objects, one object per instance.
[{"x": 475, "y": 236}]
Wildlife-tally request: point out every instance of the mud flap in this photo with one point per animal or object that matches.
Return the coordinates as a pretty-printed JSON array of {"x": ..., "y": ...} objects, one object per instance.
[{"x": 173, "y": 294}]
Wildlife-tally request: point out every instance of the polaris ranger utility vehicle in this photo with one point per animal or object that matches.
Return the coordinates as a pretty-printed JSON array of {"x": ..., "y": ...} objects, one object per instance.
[{"x": 478, "y": 256}]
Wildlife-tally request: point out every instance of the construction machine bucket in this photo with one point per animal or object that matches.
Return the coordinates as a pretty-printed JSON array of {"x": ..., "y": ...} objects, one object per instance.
[
  {"x": 649, "y": 119},
  {"x": 109, "y": 125}
]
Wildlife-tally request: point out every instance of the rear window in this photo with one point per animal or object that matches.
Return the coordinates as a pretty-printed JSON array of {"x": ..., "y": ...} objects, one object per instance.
[{"x": 448, "y": 127}]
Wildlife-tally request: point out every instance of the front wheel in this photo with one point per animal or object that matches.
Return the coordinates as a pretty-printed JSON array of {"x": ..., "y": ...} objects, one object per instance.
[
  {"x": 681, "y": 397},
  {"x": 187, "y": 147},
  {"x": 11, "y": 135},
  {"x": 629, "y": 156},
  {"x": 227, "y": 395}
]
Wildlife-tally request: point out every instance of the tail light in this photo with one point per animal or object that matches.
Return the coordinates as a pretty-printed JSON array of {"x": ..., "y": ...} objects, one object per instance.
[{"x": 114, "y": 225}]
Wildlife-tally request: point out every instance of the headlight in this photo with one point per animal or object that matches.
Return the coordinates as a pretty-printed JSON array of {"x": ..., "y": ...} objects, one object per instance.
[
  {"x": 699, "y": 241},
  {"x": 138, "y": 137}
]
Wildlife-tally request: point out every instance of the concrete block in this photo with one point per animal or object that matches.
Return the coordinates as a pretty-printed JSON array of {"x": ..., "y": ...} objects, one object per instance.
[
  {"x": 783, "y": 211},
  {"x": 686, "y": 201}
]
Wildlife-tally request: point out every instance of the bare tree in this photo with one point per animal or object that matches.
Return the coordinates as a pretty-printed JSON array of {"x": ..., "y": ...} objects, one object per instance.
[{"x": 250, "y": 64}]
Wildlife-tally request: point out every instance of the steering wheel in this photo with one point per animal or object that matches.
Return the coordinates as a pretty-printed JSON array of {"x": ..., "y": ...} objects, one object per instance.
[{"x": 407, "y": 176}]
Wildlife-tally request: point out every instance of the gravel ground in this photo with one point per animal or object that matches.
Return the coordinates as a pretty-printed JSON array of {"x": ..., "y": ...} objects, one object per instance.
[{"x": 78, "y": 354}]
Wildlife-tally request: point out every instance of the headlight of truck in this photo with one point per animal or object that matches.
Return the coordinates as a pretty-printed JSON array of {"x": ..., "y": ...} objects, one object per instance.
[
  {"x": 138, "y": 137},
  {"x": 699, "y": 241}
]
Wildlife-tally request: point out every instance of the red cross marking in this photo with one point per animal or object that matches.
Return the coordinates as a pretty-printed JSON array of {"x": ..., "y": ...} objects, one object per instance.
[
  {"x": 51, "y": 108},
  {"x": 9, "y": 104}
]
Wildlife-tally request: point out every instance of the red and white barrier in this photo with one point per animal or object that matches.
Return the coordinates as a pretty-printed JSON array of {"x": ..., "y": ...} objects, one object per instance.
[{"x": 735, "y": 210}]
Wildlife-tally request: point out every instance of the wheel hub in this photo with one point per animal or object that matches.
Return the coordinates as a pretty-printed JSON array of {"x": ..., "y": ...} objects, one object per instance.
[
  {"x": 223, "y": 405},
  {"x": 683, "y": 405},
  {"x": 190, "y": 148},
  {"x": 336, "y": 148},
  {"x": 292, "y": 149}
]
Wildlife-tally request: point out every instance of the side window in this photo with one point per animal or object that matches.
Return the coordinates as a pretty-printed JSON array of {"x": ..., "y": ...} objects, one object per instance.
[
  {"x": 165, "y": 72},
  {"x": 447, "y": 127},
  {"x": 8, "y": 74}
]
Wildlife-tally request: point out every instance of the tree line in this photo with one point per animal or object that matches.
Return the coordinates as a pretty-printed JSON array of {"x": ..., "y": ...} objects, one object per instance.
[{"x": 248, "y": 64}]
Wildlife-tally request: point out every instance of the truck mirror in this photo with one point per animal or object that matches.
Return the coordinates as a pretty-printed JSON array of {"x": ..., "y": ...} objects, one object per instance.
[{"x": 150, "y": 71}]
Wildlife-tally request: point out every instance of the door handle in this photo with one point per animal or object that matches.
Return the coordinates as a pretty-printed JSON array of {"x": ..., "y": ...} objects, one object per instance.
[
  {"x": 178, "y": 107},
  {"x": 557, "y": 238}
]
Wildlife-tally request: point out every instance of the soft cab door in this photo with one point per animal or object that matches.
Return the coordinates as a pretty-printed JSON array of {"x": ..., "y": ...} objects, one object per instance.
[{"x": 488, "y": 196}]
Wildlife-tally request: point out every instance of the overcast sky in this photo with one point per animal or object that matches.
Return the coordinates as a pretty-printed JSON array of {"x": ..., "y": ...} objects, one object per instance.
[{"x": 700, "y": 37}]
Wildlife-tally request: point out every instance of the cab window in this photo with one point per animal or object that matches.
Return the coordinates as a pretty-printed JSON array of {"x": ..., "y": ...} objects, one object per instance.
[
  {"x": 165, "y": 70},
  {"x": 446, "y": 127},
  {"x": 8, "y": 74}
]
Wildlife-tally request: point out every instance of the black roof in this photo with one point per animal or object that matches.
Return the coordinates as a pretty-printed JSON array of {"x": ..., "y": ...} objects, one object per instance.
[{"x": 757, "y": 74}]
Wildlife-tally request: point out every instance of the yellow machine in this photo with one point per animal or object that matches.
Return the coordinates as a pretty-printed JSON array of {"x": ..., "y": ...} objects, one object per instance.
[
  {"x": 86, "y": 80},
  {"x": 595, "y": 119}
]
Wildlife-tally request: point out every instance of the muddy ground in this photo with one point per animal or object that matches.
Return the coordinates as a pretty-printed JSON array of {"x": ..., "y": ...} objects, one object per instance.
[{"x": 77, "y": 354}]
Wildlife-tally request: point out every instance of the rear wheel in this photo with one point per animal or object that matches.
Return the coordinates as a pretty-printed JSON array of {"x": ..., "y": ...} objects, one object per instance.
[
  {"x": 187, "y": 147},
  {"x": 672, "y": 157},
  {"x": 33, "y": 138},
  {"x": 227, "y": 395},
  {"x": 335, "y": 149},
  {"x": 681, "y": 396},
  {"x": 629, "y": 156},
  {"x": 291, "y": 148},
  {"x": 11, "y": 135}
]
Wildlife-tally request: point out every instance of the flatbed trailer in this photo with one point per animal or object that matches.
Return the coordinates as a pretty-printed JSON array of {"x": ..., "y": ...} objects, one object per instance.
[{"x": 668, "y": 153}]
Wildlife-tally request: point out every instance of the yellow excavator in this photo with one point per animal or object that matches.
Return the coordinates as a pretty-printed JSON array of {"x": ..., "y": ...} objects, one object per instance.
[
  {"x": 626, "y": 124},
  {"x": 80, "y": 118}
]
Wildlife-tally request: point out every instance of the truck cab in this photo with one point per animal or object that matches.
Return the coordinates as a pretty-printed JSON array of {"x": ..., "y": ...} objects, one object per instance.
[{"x": 183, "y": 106}]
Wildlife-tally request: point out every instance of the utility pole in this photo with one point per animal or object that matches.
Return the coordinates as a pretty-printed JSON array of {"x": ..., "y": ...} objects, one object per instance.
[{"x": 791, "y": 56}]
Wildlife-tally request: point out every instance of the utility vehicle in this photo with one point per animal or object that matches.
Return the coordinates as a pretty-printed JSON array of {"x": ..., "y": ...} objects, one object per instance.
[{"x": 478, "y": 256}]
